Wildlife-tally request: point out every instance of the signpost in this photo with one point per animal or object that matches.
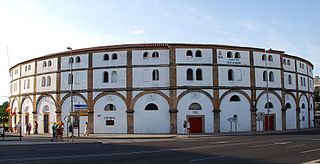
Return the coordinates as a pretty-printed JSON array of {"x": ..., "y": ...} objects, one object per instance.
[
  {"x": 78, "y": 108},
  {"x": 260, "y": 117},
  {"x": 235, "y": 120}
]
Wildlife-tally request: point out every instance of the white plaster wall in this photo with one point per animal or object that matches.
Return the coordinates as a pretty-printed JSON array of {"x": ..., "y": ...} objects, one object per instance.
[
  {"x": 15, "y": 74},
  {"x": 98, "y": 78},
  {"x": 46, "y": 88},
  {"x": 302, "y": 70},
  {"x": 27, "y": 109},
  {"x": 300, "y": 87},
  {"x": 207, "y": 79},
  {"x": 311, "y": 85},
  {"x": 261, "y": 83},
  {"x": 183, "y": 110},
  {"x": 241, "y": 76},
  {"x": 257, "y": 56},
  {"x": 222, "y": 57},
  {"x": 276, "y": 110},
  {"x": 303, "y": 112},
  {"x": 53, "y": 67},
  {"x": 24, "y": 85},
  {"x": 230, "y": 108},
  {"x": 310, "y": 71},
  {"x": 28, "y": 72},
  {"x": 17, "y": 84},
  {"x": 143, "y": 80},
  {"x": 286, "y": 82},
  {"x": 290, "y": 67},
  {"x": 180, "y": 91},
  {"x": 41, "y": 109},
  {"x": 182, "y": 58},
  {"x": 290, "y": 113},
  {"x": 137, "y": 57},
  {"x": 79, "y": 83},
  {"x": 151, "y": 121},
  {"x": 65, "y": 65},
  {"x": 97, "y": 59},
  {"x": 119, "y": 116},
  {"x": 311, "y": 112}
]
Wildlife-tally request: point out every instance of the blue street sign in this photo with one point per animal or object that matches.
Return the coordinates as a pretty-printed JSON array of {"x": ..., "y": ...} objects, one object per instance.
[{"x": 80, "y": 106}]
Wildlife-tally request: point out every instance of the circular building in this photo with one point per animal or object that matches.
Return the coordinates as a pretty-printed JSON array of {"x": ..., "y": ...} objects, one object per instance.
[{"x": 153, "y": 88}]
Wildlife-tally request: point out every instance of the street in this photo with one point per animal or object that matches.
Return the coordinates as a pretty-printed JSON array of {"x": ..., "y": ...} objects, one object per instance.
[{"x": 275, "y": 148}]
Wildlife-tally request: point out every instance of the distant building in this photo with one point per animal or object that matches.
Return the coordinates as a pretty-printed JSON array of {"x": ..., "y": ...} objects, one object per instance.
[{"x": 153, "y": 88}]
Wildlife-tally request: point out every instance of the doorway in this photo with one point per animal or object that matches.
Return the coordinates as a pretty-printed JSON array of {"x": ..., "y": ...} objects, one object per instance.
[
  {"x": 272, "y": 122},
  {"x": 196, "y": 124},
  {"x": 46, "y": 123}
]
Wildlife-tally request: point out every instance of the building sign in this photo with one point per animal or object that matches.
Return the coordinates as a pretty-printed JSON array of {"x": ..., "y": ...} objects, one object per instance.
[
  {"x": 233, "y": 61},
  {"x": 80, "y": 106}
]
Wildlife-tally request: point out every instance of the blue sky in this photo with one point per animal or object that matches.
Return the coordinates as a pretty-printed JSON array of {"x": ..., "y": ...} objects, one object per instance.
[{"x": 38, "y": 27}]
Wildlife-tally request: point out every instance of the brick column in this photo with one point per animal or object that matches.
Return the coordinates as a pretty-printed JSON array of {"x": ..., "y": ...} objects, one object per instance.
[
  {"x": 253, "y": 100},
  {"x": 297, "y": 117},
  {"x": 173, "y": 91},
  {"x": 283, "y": 96},
  {"x": 58, "y": 91},
  {"x": 297, "y": 96},
  {"x": 284, "y": 115},
  {"x": 90, "y": 104},
  {"x": 130, "y": 112},
  {"x": 216, "y": 100}
]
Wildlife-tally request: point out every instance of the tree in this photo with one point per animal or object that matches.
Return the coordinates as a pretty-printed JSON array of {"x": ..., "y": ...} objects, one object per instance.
[{"x": 4, "y": 115}]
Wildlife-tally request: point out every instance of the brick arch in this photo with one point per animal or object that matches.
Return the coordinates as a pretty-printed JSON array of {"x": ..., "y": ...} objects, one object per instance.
[
  {"x": 292, "y": 95},
  {"x": 148, "y": 92},
  {"x": 24, "y": 98},
  {"x": 237, "y": 91},
  {"x": 193, "y": 90},
  {"x": 271, "y": 92},
  {"x": 14, "y": 99},
  {"x": 74, "y": 94},
  {"x": 108, "y": 93},
  {"x": 45, "y": 95},
  {"x": 303, "y": 94}
]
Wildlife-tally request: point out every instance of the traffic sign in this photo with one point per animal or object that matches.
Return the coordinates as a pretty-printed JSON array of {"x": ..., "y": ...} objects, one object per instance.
[
  {"x": 232, "y": 119},
  {"x": 80, "y": 106},
  {"x": 260, "y": 116}
]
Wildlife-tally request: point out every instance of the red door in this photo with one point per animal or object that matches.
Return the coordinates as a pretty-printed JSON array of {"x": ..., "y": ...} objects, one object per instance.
[
  {"x": 195, "y": 124},
  {"x": 271, "y": 117}
]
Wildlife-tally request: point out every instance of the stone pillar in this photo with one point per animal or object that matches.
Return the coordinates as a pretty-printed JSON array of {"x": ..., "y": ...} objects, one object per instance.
[
  {"x": 216, "y": 115},
  {"x": 253, "y": 111},
  {"x": 298, "y": 117},
  {"x": 90, "y": 122},
  {"x": 58, "y": 113},
  {"x": 130, "y": 129},
  {"x": 309, "y": 118},
  {"x": 284, "y": 118},
  {"x": 173, "y": 121},
  {"x": 173, "y": 91}
]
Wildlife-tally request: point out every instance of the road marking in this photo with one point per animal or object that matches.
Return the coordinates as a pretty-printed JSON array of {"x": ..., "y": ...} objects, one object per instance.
[
  {"x": 312, "y": 162},
  {"x": 202, "y": 159},
  {"x": 308, "y": 151},
  {"x": 265, "y": 145},
  {"x": 289, "y": 147},
  {"x": 224, "y": 142},
  {"x": 57, "y": 149}
]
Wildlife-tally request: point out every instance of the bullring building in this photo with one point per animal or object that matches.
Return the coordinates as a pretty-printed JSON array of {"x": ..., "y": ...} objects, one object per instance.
[{"x": 153, "y": 88}]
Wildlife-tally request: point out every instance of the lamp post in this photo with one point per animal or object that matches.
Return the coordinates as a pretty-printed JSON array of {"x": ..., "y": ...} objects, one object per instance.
[
  {"x": 267, "y": 89},
  {"x": 70, "y": 80}
]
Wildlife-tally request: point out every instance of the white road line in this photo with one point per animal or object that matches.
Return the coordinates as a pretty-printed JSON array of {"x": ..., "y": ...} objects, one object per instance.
[
  {"x": 232, "y": 141},
  {"x": 202, "y": 159},
  {"x": 265, "y": 145},
  {"x": 289, "y": 147},
  {"x": 309, "y": 151},
  {"x": 57, "y": 149},
  {"x": 312, "y": 162}
]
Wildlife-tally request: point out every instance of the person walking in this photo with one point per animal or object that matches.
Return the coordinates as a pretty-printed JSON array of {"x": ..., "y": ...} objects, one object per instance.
[
  {"x": 188, "y": 127},
  {"x": 29, "y": 128},
  {"x": 86, "y": 129},
  {"x": 185, "y": 127},
  {"x": 54, "y": 132},
  {"x": 35, "y": 127}
]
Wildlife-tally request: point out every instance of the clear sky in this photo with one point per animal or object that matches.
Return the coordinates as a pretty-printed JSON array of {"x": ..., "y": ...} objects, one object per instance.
[{"x": 33, "y": 28}]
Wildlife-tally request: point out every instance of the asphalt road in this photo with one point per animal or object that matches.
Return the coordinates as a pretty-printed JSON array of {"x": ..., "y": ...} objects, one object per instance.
[{"x": 281, "y": 148}]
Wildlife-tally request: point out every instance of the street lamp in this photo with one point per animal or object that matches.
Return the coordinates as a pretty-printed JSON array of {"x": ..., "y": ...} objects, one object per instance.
[
  {"x": 267, "y": 89},
  {"x": 70, "y": 80}
]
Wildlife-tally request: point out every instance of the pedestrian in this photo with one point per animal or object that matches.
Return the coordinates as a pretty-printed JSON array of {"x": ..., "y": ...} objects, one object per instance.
[
  {"x": 18, "y": 127},
  {"x": 188, "y": 127},
  {"x": 184, "y": 127},
  {"x": 86, "y": 131},
  {"x": 35, "y": 127},
  {"x": 29, "y": 128},
  {"x": 54, "y": 132},
  {"x": 59, "y": 132}
]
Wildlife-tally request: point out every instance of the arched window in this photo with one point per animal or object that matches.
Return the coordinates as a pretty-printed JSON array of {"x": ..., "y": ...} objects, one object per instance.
[
  {"x": 71, "y": 60},
  {"x": 113, "y": 77},
  {"x": 195, "y": 106},
  {"x": 29, "y": 67},
  {"x": 151, "y": 106},
  {"x": 270, "y": 58},
  {"x": 198, "y": 74},
  {"x": 263, "y": 57},
  {"x": 25, "y": 68},
  {"x": 155, "y": 54},
  {"x": 289, "y": 79},
  {"x": 189, "y": 74},
  {"x": 234, "y": 98},
  {"x": 265, "y": 76},
  {"x": 24, "y": 84},
  {"x": 269, "y": 104},
  {"x": 303, "y": 106},
  {"x": 106, "y": 57},
  {"x": 49, "y": 63},
  {"x": 110, "y": 107},
  {"x": 288, "y": 62},
  {"x": 230, "y": 75},
  {"x": 271, "y": 76},
  {"x": 155, "y": 75},
  {"x": 284, "y": 61},
  {"x": 189, "y": 53},
  {"x": 237, "y": 55},
  {"x": 105, "y": 77},
  {"x": 288, "y": 106},
  {"x": 229, "y": 54},
  {"x": 145, "y": 55},
  {"x": 114, "y": 56},
  {"x": 78, "y": 59},
  {"x": 198, "y": 53},
  {"x": 48, "y": 81},
  {"x": 43, "y": 81},
  {"x": 70, "y": 78},
  {"x": 28, "y": 83},
  {"x": 44, "y": 64}
]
